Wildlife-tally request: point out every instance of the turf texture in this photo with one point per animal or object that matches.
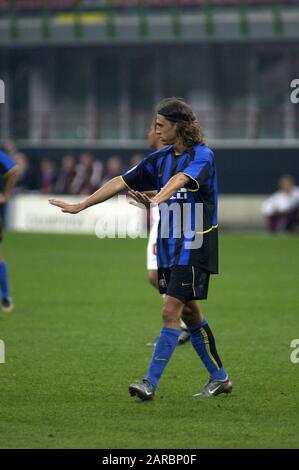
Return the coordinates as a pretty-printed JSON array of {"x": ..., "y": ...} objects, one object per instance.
[{"x": 84, "y": 313}]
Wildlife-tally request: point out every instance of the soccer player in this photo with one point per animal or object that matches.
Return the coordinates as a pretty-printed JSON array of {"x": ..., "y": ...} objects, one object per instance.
[
  {"x": 8, "y": 172},
  {"x": 152, "y": 265},
  {"x": 183, "y": 172}
]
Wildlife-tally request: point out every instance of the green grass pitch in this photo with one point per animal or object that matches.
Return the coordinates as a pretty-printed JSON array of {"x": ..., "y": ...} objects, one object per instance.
[{"x": 84, "y": 313}]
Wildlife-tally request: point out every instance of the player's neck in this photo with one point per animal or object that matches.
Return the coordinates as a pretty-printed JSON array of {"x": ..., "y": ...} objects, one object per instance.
[{"x": 179, "y": 148}]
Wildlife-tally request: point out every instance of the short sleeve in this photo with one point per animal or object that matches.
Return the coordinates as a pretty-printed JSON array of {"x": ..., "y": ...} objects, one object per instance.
[
  {"x": 199, "y": 168},
  {"x": 6, "y": 163},
  {"x": 141, "y": 177}
]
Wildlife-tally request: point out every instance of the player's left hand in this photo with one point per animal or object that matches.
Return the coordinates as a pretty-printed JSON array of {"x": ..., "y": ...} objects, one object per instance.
[{"x": 65, "y": 207}]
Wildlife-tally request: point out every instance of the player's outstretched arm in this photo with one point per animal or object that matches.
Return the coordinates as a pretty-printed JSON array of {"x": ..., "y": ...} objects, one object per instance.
[
  {"x": 149, "y": 198},
  {"x": 175, "y": 183},
  {"x": 114, "y": 186}
]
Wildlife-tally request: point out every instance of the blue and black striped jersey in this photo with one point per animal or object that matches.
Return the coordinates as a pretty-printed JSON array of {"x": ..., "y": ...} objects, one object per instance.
[
  {"x": 6, "y": 163},
  {"x": 152, "y": 173}
]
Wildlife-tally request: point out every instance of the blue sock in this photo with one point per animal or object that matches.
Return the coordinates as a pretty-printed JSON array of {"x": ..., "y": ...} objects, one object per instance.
[
  {"x": 164, "y": 349},
  {"x": 4, "y": 280},
  {"x": 203, "y": 342}
]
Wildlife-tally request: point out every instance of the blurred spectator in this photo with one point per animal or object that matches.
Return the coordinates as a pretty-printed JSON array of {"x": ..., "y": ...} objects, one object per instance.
[
  {"x": 88, "y": 174},
  {"x": 136, "y": 159},
  {"x": 97, "y": 175},
  {"x": 47, "y": 176},
  {"x": 282, "y": 208},
  {"x": 26, "y": 180},
  {"x": 114, "y": 167},
  {"x": 10, "y": 147},
  {"x": 66, "y": 174}
]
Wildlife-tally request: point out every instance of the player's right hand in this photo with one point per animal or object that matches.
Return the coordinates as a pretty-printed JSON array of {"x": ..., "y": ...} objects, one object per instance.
[{"x": 65, "y": 207}]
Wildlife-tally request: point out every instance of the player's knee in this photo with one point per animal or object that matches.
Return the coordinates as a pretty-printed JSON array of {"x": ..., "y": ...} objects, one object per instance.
[
  {"x": 171, "y": 312},
  {"x": 192, "y": 315},
  {"x": 168, "y": 315},
  {"x": 187, "y": 312}
]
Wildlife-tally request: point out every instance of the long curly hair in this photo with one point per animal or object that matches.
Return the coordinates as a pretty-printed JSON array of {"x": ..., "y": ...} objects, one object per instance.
[{"x": 178, "y": 111}]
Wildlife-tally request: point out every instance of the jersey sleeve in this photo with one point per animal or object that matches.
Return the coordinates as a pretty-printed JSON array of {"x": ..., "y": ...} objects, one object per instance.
[
  {"x": 6, "y": 163},
  {"x": 199, "y": 168},
  {"x": 141, "y": 177}
]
